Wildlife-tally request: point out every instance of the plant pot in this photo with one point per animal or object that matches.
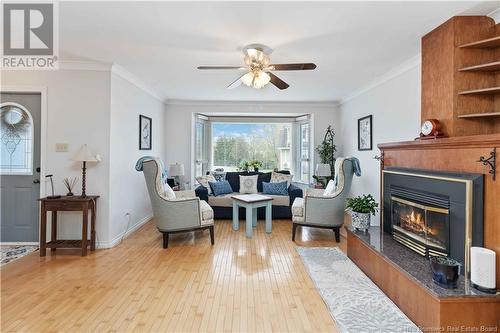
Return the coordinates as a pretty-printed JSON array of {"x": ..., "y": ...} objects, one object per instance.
[
  {"x": 360, "y": 220},
  {"x": 445, "y": 271},
  {"x": 256, "y": 169}
]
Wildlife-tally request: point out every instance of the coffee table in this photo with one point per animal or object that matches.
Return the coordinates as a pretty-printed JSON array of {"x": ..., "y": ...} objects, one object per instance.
[{"x": 251, "y": 202}]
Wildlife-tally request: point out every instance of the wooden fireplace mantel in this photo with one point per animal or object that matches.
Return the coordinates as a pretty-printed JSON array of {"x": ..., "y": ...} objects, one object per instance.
[{"x": 474, "y": 141}]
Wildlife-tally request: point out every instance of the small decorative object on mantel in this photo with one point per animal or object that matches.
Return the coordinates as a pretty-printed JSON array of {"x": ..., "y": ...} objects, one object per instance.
[
  {"x": 431, "y": 129},
  {"x": 360, "y": 208},
  {"x": 53, "y": 196},
  {"x": 145, "y": 132},
  {"x": 365, "y": 135},
  {"x": 70, "y": 183},
  {"x": 445, "y": 271},
  {"x": 84, "y": 156}
]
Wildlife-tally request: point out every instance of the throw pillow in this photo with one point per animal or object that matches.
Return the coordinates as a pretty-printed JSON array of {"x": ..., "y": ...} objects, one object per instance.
[
  {"x": 280, "y": 188},
  {"x": 220, "y": 188},
  {"x": 277, "y": 177},
  {"x": 248, "y": 184},
  {"x": 330, "y": 189},
  {"x": 169, "y": 193},
  {"x": 203, "y": 181},
  {"x": 218, "y": 175}
]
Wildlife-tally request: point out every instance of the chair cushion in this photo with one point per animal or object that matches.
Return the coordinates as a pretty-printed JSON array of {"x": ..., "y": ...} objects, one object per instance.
[
  {"x": 298, "y": 207},
  {"x": 280, "y": 188},
  {"x": 248, "y": 184},
  {"x": 207, "y": 212},
  {"x": 330, "y": 189},
  {"x": 203, "y": 181},
  {"x": 169, "y": 193},
  {"x": 277, "y": 177},
  {"x": 220, "y": 188}
]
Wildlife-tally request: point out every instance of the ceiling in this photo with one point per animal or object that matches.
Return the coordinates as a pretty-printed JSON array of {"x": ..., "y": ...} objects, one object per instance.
[{"x": 162, "y": 43}]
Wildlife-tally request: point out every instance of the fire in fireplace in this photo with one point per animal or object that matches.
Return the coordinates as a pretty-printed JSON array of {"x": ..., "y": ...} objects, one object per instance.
[{"x": 423, "y": 228}]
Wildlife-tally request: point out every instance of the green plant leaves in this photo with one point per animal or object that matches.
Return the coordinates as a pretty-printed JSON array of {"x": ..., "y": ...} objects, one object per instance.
[{"x": 362, "y": 204}]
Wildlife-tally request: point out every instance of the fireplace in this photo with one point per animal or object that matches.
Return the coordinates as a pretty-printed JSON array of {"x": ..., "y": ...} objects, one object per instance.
[
  {"x": 423, "y": 228},
  {"x": 434, "y": 214}
]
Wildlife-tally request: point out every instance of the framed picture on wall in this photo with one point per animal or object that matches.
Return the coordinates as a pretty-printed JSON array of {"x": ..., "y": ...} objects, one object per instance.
[
  {"x": 365, "y": 133},
  {"x": 145, "y": 132}
]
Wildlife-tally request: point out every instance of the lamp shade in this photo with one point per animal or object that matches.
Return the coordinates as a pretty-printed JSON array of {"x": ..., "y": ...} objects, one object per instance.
[
  {"x": 85, "y": 155},
  {"x": 323, "y": 170},
  {"x": 176, "y": 169}
]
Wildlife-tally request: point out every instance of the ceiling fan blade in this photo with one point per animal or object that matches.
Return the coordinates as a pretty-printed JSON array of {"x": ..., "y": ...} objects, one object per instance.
[
  {"x": 236, "y": 83},
  {"x": 292, "y": 67},
  {"x": 221, "y": 67},
  {"x": 278, "y": 82}
]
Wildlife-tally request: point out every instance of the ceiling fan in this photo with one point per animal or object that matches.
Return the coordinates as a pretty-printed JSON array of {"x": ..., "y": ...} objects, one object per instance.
[{"x": 259, "y": 69}]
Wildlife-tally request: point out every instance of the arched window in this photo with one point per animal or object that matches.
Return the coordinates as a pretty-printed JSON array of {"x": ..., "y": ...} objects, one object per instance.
[{"x": 16, "y": 140}]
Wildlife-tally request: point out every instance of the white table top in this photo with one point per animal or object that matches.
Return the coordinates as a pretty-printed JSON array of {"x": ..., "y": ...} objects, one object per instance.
[{"x": 250, "y": 198}]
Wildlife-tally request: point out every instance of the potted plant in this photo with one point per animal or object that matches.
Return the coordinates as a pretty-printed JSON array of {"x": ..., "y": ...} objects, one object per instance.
[
  {"x": 244, "y": 165},
  {"x": 256, "y": 164},
  {"x": 360, "y": 208},
  {"x": 326, "y": 151}
]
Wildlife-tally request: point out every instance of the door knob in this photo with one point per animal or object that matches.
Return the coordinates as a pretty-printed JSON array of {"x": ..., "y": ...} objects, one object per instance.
[{"x": 36, "y": 181}]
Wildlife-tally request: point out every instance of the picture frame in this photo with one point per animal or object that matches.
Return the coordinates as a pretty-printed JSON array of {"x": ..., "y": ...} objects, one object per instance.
[
  {"x": 365, "y": 133},
  {"x": 145, "y": 133}
]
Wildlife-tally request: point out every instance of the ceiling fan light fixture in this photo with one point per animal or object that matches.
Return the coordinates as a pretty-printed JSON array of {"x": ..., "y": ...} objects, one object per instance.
[
  {"x": 261, "y": 79},
  {"x": 247, "y": 79}
]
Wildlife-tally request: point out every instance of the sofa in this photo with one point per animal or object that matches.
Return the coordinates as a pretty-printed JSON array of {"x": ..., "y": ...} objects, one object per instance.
[{"x": 223, "y": 205}]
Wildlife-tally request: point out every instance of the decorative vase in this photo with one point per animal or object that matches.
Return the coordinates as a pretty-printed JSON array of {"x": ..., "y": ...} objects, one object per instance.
[
  {"x": 256, "y": 169},
  {"x": 360, "y": 220},
  {"x": 445, "y": 271}
]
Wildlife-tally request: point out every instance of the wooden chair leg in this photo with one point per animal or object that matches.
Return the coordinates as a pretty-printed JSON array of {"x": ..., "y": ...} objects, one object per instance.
[
  {"x": 336, "y": 230},
  {"x": 212, "y": 238},
  {"x": 294, "y": 229},
  {"x": 165, "y": 240}
]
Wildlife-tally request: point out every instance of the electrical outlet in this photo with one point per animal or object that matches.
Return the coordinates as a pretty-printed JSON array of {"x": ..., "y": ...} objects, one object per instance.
[{"x": 61, "y": 147}]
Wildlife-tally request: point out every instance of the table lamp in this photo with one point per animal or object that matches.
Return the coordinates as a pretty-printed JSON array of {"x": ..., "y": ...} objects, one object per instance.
[
  {"x": 323, "y": 170},
  {"x": 84, "y": 155},
  {"x": 176, "y": 170}
]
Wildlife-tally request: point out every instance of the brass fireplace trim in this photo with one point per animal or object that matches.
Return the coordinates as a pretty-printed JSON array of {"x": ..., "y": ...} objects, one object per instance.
[
  {"x": 424, "y": 207},
  {"x": 468, "y": 209}
]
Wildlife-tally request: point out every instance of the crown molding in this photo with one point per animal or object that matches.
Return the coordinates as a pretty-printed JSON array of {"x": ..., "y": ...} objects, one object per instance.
[
  {"x": 394, "y": 72},
  {"x": 128, "y": 76},
  {"x": 250, "y": 103},
  {"x": 495, "y": 15}
]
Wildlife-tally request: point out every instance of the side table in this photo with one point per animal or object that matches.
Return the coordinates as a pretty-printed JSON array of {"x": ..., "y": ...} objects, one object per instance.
[{"x": 68, "y": 203}]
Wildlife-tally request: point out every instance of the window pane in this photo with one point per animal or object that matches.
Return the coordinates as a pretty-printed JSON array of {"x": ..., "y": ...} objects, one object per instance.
[
  {"x": 304, "y": 153},
  {"x": 234, "y": 143},
  {"x": 199, "y": 135},
  {"x": 16, "y": 141}
]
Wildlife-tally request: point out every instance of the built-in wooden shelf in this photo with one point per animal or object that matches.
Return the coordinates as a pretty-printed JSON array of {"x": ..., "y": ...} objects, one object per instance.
[
  {"x": 479, "y": 115},
  {"x": 485, "y": 43},
  {"x": 485, "y": 91},
  {"x": 489, "y": 67}
]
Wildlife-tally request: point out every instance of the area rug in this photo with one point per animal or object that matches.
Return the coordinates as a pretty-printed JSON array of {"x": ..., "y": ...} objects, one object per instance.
[
  {"x": 13, "y": 252},
  {"x": 354, "y": 301}
]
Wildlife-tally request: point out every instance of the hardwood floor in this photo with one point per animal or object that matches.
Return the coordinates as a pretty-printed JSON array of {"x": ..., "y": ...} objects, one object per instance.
[{"x": 239, "y": 284}]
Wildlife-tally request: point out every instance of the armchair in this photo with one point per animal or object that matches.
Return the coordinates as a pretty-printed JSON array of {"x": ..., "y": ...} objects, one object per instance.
[
  {"x": 183, "y": 213},
  {"x": 319, "y": 211}
]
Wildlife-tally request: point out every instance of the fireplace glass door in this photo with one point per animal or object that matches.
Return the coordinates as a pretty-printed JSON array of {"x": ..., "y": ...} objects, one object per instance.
[{"x": 424, "y": 229}]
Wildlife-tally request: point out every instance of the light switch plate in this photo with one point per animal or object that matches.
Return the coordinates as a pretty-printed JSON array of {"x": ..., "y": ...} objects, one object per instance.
[{"x": 61, "y": 147}]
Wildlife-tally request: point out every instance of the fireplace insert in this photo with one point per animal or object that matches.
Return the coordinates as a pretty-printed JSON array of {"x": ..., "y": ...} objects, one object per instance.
[
  {"x": 434, "y": 213},
  {"x": 423, "y": 228}
]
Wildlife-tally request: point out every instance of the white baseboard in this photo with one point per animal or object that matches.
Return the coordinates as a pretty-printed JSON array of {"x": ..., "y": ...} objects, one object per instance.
[
  {"x": 115, "y": 241},
  {"x": 19, "y": 243}
]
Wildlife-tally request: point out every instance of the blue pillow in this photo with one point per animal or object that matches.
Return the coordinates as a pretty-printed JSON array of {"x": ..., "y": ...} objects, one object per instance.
[
  {"x": 220, "y": 188},
  {"x": 280, "y": 188}
]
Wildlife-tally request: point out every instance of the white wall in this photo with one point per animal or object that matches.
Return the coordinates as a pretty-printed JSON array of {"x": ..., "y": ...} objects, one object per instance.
[
  {"x": 178, "y": 122},
  {"x": 128, "y": 193},
  {"x": 77, "y": 113},
  {"x": 394, "y": 102}
]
